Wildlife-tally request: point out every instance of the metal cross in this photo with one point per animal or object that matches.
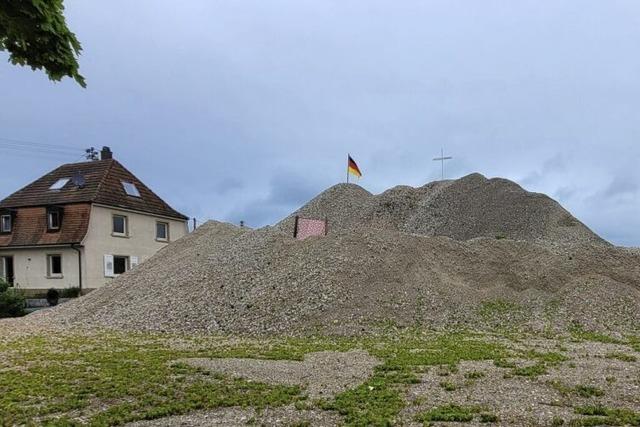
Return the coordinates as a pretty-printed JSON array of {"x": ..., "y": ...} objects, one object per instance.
[{"x": 441, "y": 159}]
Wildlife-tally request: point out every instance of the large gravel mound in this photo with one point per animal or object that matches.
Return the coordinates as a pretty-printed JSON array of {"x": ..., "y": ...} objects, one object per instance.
[
  {"x": 469, "y": 207},
  {"x": 387, "y": 261}
]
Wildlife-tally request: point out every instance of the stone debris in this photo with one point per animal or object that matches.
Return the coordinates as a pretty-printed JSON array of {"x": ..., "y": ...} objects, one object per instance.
[{"x": 472, "y": 252}]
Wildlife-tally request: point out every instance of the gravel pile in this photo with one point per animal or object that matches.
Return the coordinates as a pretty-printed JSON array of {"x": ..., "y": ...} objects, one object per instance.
[
  {"x": 471, "y": 252},
  {"x": 469, "y": 207}
]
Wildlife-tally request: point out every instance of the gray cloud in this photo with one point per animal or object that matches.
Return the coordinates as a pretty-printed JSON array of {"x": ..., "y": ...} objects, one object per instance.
[{"x": 242, "y": 110}]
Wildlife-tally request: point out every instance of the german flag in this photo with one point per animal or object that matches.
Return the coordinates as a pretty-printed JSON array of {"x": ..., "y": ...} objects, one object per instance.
[{"x": 353, "y": 167}]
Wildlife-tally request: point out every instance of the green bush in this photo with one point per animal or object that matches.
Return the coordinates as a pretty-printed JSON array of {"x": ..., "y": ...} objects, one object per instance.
[
  {"x": 12, "y": 302},
  {"x": 53, "y": 296},
  {"x": 3, "y": 285},
  {"x": 70, "y": 292}
]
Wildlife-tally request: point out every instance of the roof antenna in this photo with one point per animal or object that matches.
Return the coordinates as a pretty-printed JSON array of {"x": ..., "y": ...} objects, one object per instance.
[{"x": 91, "y": 154}]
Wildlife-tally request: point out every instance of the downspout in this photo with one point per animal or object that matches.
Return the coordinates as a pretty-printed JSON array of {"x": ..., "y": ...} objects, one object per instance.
[{"x": 77, "y": 249}]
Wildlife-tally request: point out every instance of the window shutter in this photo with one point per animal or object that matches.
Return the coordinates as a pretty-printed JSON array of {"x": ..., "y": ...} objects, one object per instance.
[
  {"x": 133, "y": 261},
  {"x": 108, "y": 266}
]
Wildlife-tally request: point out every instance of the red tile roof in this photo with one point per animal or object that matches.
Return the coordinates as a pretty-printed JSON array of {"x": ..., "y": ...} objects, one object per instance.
[
  {"x": 30, "y": 226},
  {"x": 102, "y": 184}
]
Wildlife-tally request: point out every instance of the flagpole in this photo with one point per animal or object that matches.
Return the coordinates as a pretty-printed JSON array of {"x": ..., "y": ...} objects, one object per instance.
[{"x": 348, "y": 168}]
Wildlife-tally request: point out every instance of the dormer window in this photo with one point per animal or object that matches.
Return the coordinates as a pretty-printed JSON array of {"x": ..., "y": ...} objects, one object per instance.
[
  {"x": 54, "y": 219},
  {"x": 6, "y": 224},
  {"x": 59, "y": 184},
  {"x": 130, "y": 188}
]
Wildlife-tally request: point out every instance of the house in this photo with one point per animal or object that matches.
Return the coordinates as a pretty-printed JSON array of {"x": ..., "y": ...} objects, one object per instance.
[{"x": 82, "y": 225}]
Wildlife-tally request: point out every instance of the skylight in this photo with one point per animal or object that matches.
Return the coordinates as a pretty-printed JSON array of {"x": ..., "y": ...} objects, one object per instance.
[
  {"x": 130, "y": 189},
  {"x": 59, "y": 184}
]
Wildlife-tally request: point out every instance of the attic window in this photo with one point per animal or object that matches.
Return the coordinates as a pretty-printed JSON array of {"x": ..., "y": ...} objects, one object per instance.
[
  {"x": 59, "y": 184},
  {"x": 5, "y": 224},
  {"x": 130, "y": 189}
]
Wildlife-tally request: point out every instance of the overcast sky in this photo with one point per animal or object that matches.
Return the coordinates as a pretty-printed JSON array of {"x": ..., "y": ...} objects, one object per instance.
[{"x": 243, "y": 110}]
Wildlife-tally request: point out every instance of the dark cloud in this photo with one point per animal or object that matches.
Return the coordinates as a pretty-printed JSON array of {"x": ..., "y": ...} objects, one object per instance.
[{"x": 243, "y": 110}]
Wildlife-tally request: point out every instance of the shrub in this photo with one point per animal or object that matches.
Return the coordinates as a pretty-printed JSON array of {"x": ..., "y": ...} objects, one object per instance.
[
  {"x": 12, "y": 303},
  {"x": 3, "y": 285},
  {"x": 53, "y": 296},
  {"x": 73, "y": 292}
]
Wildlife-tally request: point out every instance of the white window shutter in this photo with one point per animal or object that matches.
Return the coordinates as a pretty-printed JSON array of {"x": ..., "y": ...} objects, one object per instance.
[
  {"x": 133, "y": 261},
  {"x": 108, "y": 266}
]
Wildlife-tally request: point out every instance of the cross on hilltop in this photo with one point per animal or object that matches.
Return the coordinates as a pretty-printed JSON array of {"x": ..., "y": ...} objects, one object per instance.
[{"x": 441, "y": 159}]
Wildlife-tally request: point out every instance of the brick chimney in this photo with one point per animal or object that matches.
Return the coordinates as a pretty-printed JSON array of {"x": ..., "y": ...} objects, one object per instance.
[{"x": 106, "y": 153}]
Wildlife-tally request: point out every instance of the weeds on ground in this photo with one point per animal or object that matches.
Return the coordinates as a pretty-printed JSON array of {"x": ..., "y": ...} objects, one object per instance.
[
  {"x": 621, "y": 356},
  {"x": 603, "y": 416},
  {"x": 581, "y": 334},
  {"x": 456, "y": 413},
  {"x": 107, "y": 379},
  {"x": 578, "y": 390}
]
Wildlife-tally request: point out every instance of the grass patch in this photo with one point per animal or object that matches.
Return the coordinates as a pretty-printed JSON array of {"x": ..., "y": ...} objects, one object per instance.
[
  {"x": 379, "y": 401},
  {"x": 579, "y": 390},
  {"x": 106, "y": 379},
  {"x": 603, "y": 416},
  {"x": 474, "y": 375},
  {"x": 449, "y": 413},
  {"x": 456, "y": 413},
  {"x": 131, "y": 375},
  {"x": 530, "y": 371},
  {"x": 448, "y": 386},
  {"x": 579, "y": 333},
  {"x": 621, "y": 356}
]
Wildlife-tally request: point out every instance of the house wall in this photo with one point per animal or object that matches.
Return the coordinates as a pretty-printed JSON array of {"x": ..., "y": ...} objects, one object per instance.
[
  {"x": 140, "y": 242},
  {"x": 30, "y": 267}
]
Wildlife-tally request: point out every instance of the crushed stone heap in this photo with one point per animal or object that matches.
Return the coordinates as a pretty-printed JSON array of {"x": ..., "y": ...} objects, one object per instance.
[
  {"x": 408, "y": 257},
  {"x": 469, "y": 207}
]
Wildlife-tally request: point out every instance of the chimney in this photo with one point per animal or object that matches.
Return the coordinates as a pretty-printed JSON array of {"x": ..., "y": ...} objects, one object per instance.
[{"x": 106, "y": 153}]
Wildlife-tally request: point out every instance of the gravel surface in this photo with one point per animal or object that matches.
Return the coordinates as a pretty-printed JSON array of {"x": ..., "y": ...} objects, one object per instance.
[
  {"x": 532, "y": 401},
  {"x": 286, "y": 416},
  {"x": 323, "y": 374},
  {"x": 470, "y": 252}
]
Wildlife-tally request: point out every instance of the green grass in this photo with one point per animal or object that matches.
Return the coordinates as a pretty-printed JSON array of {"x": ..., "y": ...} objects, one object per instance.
[
  {"x": 581, "y": 334},
  {"x": 474, "y": 375},
  {"x": 448, "y": 413},
  {"x": 111, "y": 379},
  {"x": 531, "y": 370},
  {"x": 133, "y": 377},
  {"x": 378, "y": 401},
  {"x": 578, "y": 390},
  {"x": 455, "y": 413},
  {"x": 448, "y": 386},
  {"x": 621, "y": 356},
  {"x": 602, "y": 416}
]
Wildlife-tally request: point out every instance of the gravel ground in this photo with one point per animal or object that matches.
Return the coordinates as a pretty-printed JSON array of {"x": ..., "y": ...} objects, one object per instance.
[
  {"x": 323, "y": 374},
  {"x": 470, "y": 252},
  {"x": 532, "y": 401},
  {"x": 286, "y": 416}
]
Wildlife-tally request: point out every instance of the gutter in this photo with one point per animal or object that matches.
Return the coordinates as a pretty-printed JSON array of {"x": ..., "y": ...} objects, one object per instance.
[{"x": 77, "y": 249}]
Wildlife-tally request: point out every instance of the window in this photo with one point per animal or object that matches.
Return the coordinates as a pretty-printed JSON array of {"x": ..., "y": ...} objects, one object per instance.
[
  {"x": 130, "y": 189},
  {"x": 6, "y": 269},
  {"x": 54, "y": 266},
  {"x": 59, "y": 184},
  {"x": 53, "y": 220},
  {"x": 120, "y": 264},
  {"x": 5, "y": 224},
  {"x": 162, "y": 231},
  {"x": 115, "y": 265},
  {"x": 119, "y": 225}
]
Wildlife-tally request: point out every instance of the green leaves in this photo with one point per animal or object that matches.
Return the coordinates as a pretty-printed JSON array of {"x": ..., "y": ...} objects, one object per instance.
[{"x": 35, "y": 33}]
